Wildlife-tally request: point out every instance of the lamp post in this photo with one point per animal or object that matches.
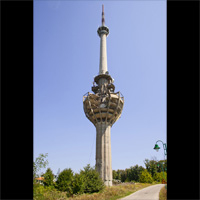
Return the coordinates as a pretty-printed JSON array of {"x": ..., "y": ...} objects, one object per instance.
[
  {"x": 165, "y": 152},
  {"x": 164, "y": 147}
]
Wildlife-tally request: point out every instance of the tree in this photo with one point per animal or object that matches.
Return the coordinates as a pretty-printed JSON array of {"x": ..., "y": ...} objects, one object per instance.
[
  {"x": 78, "y": 184},
  {"x": 123, "y": 175},
  {"x": 151, "y": 166},
  {"x": 145, "y": 177},
  {"x": 135, "y": 173},
  {"x": 115, "y": 174},
  {"x": 48, "y": 178},
  {"x": 119, "y": 173},
  {"x": 162, "y": 165},
  {"x": 40, "y": 162},
  {"x": 64, "y": 181},
  {"x": 92, "y": 180}
]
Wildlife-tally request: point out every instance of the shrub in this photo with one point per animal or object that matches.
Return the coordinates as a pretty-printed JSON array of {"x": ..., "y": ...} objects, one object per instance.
[
  {"x": 159, "y": 176},
  {"x": 38, "y": 191},
  {"x": 145, "y": 177},
  {"x": 64, "y": 181}
]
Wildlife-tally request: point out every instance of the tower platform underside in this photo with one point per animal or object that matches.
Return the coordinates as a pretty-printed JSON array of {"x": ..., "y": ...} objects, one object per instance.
[{"x": 109, "y": 111}]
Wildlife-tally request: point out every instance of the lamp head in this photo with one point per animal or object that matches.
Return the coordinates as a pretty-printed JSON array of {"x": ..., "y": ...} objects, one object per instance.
[{"x": 156, "y": 147}]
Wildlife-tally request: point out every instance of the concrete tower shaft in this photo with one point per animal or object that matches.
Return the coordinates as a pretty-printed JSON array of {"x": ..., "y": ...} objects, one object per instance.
[{"x": 103, "y": 109}]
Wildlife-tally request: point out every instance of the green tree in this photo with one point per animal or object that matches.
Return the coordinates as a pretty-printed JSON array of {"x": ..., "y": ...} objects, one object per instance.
[
  {"x": 123, "y": 176},
  {"x": 40, "y": 162},
  {"x": 48, "y": 178},
  {"x": 92, "y": 180},
  {"x": 65, "y": 180},
  {"x": 145, "y": 177},
  {"x": 79, "y": 184},
  {"x": 119, "y": 173},
  {"x": 135, "y": 172},
  {"x": 115, "y": 175},
  {"x": 151, "y": 166}
]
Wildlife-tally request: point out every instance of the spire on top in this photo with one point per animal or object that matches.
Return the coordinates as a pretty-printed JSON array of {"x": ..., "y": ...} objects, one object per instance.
[{"x": 103, "y": 19}]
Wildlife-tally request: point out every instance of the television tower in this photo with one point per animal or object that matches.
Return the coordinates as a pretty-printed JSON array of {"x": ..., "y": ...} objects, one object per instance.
[{"x": 103, "y": 108}]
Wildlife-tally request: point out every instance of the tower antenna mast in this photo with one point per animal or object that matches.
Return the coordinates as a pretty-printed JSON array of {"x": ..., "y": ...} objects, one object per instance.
[{"x": 103, "y": 18}]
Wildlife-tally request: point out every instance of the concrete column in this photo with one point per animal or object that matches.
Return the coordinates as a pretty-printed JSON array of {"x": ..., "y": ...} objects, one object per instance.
[
  {"x": 103, "y": 55},
  {"x": 103, "y": 152}
]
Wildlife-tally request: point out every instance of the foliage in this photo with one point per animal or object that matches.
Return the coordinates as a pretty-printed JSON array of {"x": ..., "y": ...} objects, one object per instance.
[
  {"x": 78, "y": 184},
  {"x": 109, "y": 193},
  {"x": 92, "y": 180},
  {"x": 48, "y": 178},
  {"x": 117, "y": 174},
  {"x": 135, "y": 173},
  {"x": 43, "y": 193},
  {"x": 39, "y": 163},
  {"x": 38, "y": 191},
  {"x": 158, "y": 177},
  {"x": 162, "y": 165},
  {"x": 151, "y": 166},
  {"x": 65, "y": 180},
  {"x": 145, "y": 177},
  {"x": 128, "y": 175}
]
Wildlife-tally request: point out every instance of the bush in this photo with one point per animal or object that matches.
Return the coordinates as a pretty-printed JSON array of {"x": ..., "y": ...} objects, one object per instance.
[
  {"x": 145, "y": 177},
  {"x": 159, "y": 176},
  {"x": 65, "y": 180},
  {"x": 38, "y": 191}
]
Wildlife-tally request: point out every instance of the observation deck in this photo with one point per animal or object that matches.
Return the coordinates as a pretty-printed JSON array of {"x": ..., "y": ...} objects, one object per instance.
[{"x": 107, "y": 111}]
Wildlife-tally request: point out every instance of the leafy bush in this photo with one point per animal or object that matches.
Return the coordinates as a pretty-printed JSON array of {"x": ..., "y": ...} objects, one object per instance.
[
  {"x": 159, "y": 176},
  {"x": 145, "y": 177},
  {"x": 38, "y": 191},
  {"x": 64, "y": 181}
]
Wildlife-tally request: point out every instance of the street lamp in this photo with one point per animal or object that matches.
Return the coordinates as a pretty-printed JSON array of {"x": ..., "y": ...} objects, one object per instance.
[
  {"x": 165, "y": 152},
  {"x": 164, "y": 147}
]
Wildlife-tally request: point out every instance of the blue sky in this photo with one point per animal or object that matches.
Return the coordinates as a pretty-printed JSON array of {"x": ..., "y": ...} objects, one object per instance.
[{"x": 66, "y": 58}]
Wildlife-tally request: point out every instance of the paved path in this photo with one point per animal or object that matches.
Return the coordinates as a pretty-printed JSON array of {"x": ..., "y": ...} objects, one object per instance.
[{"x": 148, "y": 193}]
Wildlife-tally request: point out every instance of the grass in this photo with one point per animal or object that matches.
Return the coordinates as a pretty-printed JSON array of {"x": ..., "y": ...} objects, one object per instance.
[
  {"x": 163, "y": 194},
  {"x": 113, "y": 193},
  {"x": 109, "y": 193}
]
